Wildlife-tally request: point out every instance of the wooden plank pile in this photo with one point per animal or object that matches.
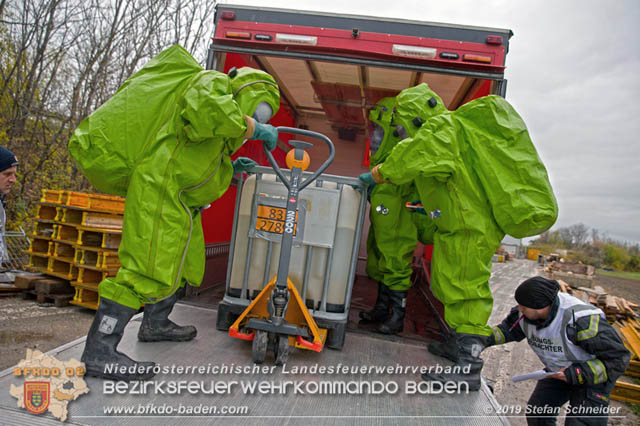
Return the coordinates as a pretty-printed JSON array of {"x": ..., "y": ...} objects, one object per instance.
[
  {"x": 623, "y": 315},
  {"x": 76, "y": 239},
  {"x": 575, "y": 274},
  {"x": 615, "y": 308},
  {"x": 626, "y": 392},
  {"x": 45, "y": 289}
]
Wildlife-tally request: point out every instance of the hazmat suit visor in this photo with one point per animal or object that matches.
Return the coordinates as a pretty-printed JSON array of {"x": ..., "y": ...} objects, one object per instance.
[
  {"x": 252, "y": 87},
  {"x": 263, "y": 112},
  {"x": 400, "y": 133},
  {"x": 376, "y": 136}
]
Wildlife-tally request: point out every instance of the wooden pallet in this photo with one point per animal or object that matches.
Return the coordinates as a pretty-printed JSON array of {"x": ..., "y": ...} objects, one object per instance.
[
  {"x": 46, "y": 212},
  {"x": 27, "y": 281},
  {"x": 92, "y": 275},
  {"x": 631, "y": 339},
  {"x": 38, "y": 246},
  {"x": 106, "y": 259},
  {"x": 76, "y": 238},
  {"x": 50, "y": 286},
  {"x": 62, "y": 268},
  {"x": 109, "y": 239},
  {"x": 633, "y": 369},
  {"x": 96, "y": 202},
  {"x": 43, "y": 229},
  {"x": 86, "y": 296},
  {"x": 91, "y": 219},
  {"x": 39, "y": 262},
  {"x": 626, "y": 392},
  {"x": 58, "y": 300},
  {"x": 615, "y": 308}
]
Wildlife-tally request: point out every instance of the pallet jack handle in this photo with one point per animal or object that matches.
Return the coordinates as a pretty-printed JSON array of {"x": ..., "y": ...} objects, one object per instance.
[{"x": 302, "y": 132}]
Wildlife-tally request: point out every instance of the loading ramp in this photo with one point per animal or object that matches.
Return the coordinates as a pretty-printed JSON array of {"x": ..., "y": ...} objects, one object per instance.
[{"x": 214, "y": 348}]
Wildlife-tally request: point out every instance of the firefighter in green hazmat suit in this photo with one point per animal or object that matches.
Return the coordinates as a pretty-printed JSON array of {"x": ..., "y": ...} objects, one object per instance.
[
  {"x": 394, "y": 231},
  {"x": 164, "y": 140},
  {"x": 479, "y": 177}
]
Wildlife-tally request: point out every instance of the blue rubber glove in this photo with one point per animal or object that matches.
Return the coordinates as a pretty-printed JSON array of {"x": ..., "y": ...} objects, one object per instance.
[
  {"x": 242, "y": 164},
  {"x": 420, "y": 209},
  {"x": 367, "y": 178},
  {"x": 266, "y": 133}
]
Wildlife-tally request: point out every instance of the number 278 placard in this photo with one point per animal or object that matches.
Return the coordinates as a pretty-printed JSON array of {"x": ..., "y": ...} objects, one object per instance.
[{"x": 272, "y": 219}]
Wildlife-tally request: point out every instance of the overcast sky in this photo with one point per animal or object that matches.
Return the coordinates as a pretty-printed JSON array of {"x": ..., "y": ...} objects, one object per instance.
[{"x": 573, "y": 72}]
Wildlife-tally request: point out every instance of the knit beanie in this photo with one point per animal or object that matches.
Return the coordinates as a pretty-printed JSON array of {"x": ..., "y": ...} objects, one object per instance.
[
  {"x": 7, "y": 159},
  {"x": 537, "y": 292}
]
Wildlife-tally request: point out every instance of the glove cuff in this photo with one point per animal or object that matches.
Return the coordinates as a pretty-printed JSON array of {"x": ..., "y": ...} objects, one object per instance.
[
  {"x": 377, "y": 177},
  {"x": 251, "y": 127}
]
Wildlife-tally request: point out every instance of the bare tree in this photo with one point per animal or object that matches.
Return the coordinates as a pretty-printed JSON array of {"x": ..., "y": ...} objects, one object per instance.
[
  {"x": 564, "y": 234},
  {"x": 62, "y": 59},
  {"x": 579, "y": 234}
]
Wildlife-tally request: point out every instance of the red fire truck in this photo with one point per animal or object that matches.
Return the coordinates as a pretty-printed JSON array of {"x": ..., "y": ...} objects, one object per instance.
[{"x": 331, "y": 69}]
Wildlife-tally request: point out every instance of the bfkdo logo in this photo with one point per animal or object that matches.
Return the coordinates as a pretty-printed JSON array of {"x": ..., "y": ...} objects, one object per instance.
[
  {"x": 49, "y": 384},
  {"x": 37, "y": 396}
]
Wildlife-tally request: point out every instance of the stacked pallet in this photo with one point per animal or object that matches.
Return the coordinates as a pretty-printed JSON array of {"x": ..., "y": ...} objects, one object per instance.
[
  {"x": 629, "y": 332},
  {"x": 45, "y": 289},
  {"x": 76, "y": 238},
  {"x": 622, "y": 315},
  {"x": 615, "y": 308},
  {"x": 576, "y": 274}
]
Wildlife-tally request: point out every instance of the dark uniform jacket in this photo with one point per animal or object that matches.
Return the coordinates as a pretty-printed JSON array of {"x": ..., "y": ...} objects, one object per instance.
[{"x": 591, "y": 333}]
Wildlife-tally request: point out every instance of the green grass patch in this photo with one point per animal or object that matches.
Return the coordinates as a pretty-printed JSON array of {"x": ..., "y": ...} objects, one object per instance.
[{"x": 630, "y": 275}]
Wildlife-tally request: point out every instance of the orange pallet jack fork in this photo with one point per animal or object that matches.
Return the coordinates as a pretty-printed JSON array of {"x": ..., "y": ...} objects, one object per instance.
[{"x": 278, "y": 318}]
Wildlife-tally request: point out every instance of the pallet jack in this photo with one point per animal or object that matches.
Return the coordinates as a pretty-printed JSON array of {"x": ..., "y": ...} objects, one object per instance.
[{"x": 278, "y": 318}]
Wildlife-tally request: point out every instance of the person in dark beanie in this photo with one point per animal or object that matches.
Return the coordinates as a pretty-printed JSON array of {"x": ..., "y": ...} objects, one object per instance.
[
  {"x": 8, "y": 169},
  {"x": 573, "y": 339}
]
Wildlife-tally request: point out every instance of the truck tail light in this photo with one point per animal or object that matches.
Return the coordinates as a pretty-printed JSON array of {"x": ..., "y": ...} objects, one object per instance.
[
  {"x": 494, "y": 39},
  {"x": 228, "y": 15},
  {"x": 235, "y": 34},
  {"x": 477, "y": 58},
  {"x": 296, "y": 39},
  {"x": 414, "y": 51}
]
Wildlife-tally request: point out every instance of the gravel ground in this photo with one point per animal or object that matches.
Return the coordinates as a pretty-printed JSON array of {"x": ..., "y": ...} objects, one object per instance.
[
  {"x": 622, "y": 287},
  {"x": 24, "y": 324}
]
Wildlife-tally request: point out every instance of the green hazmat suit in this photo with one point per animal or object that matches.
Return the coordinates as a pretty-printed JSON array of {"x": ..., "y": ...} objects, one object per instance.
[
  {"x": 479, "y": 175},
  {"x": 394, "y": 230},
  {"x": 164, "y": 141}
]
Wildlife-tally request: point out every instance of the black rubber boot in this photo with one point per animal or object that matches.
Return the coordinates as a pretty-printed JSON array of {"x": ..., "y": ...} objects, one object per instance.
[
  {"x": 395, "y": 323},
  {"x": 156, "y": 325},
  {"x": 468, "y": 365},
  {"x": 380, "y": 311},
  {"x": 448, "y": 349},
  {"x": 100, "y": 355}
]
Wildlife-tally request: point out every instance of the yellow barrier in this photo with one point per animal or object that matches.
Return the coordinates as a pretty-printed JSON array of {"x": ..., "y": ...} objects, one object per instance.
[{"x": 532, "y": 254}]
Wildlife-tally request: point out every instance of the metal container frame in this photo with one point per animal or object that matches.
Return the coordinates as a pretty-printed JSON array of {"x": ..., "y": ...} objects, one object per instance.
[{"x": 335, "y": 322}]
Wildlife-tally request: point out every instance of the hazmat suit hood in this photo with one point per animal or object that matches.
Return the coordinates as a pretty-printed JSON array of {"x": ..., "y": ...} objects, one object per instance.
[
  {"x": 252, "y": 89},
  {"x": 413, "y": 107},
  {"x": 381, "y": 139}
]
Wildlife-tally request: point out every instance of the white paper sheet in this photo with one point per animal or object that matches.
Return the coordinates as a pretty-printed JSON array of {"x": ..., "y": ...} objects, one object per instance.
[{"x": 536, "y": 375}]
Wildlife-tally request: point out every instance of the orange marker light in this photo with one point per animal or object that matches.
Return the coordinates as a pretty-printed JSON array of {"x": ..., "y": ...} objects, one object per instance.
[
  {"x": 477, "y": 58},
  {"x": 301, "y": 164},
  {"x": 235, "y": 34}
]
